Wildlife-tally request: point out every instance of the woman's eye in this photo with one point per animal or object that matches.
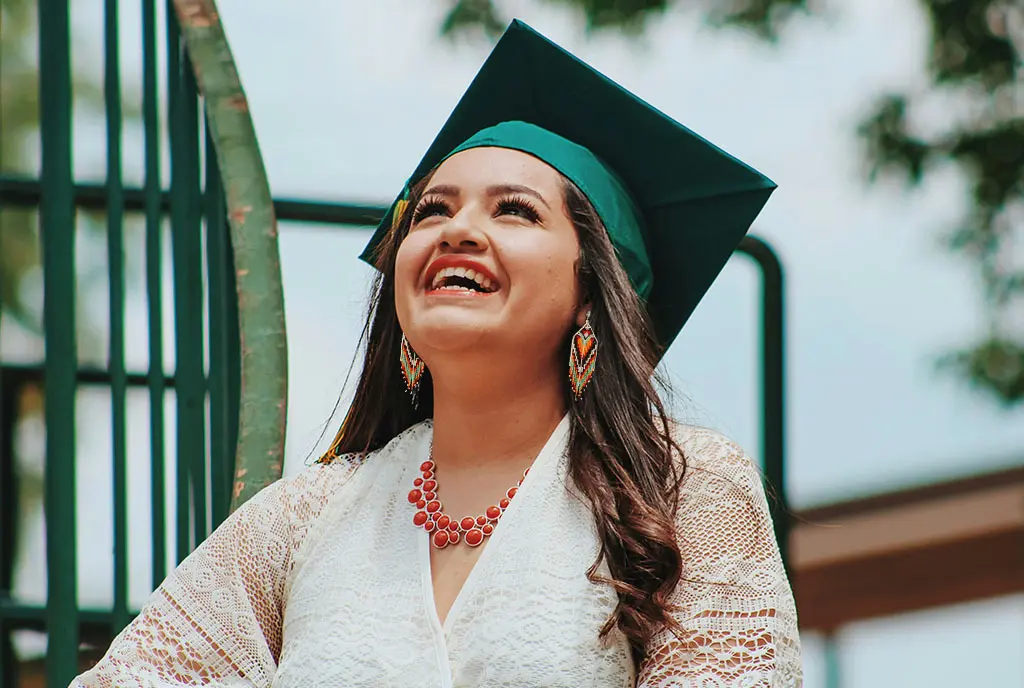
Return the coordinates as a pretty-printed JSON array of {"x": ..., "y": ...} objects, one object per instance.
[
  {"x": 430, "y": 208},
  {"x": 518, "y": 207}
]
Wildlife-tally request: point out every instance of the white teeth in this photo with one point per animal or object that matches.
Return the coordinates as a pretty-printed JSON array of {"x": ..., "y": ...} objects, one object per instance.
[{"x": 468, "y": 273}]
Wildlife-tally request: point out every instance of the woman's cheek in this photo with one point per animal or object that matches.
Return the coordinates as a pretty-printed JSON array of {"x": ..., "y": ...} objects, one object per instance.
[{"x": 412, "y": 255}]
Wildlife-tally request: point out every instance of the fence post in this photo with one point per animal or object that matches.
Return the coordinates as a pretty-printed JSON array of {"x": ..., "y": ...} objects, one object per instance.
[
  {"x": 10, "y": 391},
  {"x": 773, "y": 390},
  {"x": 57, "y": 229}
]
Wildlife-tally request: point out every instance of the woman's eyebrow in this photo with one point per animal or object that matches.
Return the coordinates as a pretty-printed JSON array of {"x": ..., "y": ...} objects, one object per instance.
[
  {"x": 504, "y": 189},
  {"x": 443, "y": 190}
]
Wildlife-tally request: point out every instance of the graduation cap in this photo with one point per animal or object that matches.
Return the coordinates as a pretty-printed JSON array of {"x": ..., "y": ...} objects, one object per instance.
[{"x": 675, "y": 206}]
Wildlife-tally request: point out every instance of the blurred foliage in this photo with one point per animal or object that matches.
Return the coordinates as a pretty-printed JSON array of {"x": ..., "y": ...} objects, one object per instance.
[
  {"x": 974, "y": 59},
  {"x": 19, "y": 240},
  {"x": 765, "y": 18},
  {"x": 19, "y": 146},
  {"x": 19, "y": 119}
]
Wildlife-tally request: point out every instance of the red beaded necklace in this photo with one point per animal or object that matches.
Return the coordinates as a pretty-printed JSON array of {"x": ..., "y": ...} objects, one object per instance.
[{"x": 446, "y": 530}]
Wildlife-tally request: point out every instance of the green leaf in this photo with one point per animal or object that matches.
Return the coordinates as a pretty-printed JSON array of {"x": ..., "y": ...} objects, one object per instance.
[
  {"x": 888, "y": 144},
  {"x": 469, "y": 16},
  {"x": 971, "y": 41},
  {"x": 994, "y": 366}
]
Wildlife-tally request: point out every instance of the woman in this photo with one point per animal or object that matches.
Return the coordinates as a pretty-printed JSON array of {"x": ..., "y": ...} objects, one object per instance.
[{"x": 498, "y": 526}]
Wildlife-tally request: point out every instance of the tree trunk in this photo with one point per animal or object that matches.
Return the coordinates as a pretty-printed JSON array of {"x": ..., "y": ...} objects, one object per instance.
[{"x": 264, "y": 356}]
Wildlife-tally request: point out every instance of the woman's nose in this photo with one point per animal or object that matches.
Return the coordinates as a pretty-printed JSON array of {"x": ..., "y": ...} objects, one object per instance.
[{"x": 462, "y": 231}]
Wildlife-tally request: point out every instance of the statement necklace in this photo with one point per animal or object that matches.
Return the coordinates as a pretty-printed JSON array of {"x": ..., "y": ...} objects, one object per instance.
[{"x": 444, "y": 529}]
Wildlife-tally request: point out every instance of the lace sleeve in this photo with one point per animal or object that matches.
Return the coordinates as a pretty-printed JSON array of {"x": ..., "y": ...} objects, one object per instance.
[
  {"x": 216, "y": 620},
  {"x": 734, "y": 602}
]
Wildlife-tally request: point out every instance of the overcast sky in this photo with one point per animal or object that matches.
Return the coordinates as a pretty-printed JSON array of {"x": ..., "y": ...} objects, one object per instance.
[
  {"x": 347, "y": 96},
  {"x": 347, "y": 99}
]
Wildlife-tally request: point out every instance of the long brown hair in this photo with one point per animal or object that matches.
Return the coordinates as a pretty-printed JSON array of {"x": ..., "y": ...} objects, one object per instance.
[{"x": 621, "y": 453}]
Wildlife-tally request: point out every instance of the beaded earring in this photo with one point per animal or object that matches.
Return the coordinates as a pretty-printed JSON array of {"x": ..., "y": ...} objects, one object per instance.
[
  {"x": 412, "y": 368},
  {"x": 582, "y": 358}
]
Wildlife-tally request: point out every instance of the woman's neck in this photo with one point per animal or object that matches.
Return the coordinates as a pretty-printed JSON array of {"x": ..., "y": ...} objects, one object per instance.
[{"x": 481, "y": 419}]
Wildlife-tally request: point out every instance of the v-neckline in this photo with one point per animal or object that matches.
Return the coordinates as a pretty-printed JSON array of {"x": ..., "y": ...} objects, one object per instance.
[{"x": 539, "y": 467}]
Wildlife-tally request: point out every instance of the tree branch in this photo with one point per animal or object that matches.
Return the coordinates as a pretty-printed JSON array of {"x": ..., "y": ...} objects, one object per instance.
[{"x": 264, "y": 374}]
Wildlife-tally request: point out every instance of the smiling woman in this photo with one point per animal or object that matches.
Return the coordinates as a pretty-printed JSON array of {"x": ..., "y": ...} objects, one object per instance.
[
  {"x": 530, "y": 516},
  {"x": 500, "y": 214}
]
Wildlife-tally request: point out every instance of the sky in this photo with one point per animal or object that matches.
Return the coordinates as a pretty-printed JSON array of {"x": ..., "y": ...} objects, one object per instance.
[
  {"x": 347, "y": 96},
  {"x": 872, "y": 298}
]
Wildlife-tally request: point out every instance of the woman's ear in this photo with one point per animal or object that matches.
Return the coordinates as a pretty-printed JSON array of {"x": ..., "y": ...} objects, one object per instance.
[{"x": 581, "y": 314}]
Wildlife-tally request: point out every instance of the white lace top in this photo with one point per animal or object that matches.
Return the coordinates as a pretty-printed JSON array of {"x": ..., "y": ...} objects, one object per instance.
[{"x": 322, "y": 580}]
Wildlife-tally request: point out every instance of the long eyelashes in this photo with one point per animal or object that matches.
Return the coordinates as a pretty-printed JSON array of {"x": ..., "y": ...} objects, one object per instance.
[
  {"x": 428, "y": 207},
  {"x": 516, "y": 206}
]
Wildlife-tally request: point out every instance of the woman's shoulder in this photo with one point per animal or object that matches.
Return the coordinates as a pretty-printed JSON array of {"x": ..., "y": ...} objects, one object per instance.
[
  {"x": 305, "y": 493},
  {"x": 302, "y": 495},
  {"x": 297, "y": 498},
  {"x": 709, "y": 454},
  {"x": 723, "y": 500}
]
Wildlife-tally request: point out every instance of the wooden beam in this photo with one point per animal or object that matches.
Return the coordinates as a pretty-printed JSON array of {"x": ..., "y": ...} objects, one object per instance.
[{"x": 944, "y": 544}]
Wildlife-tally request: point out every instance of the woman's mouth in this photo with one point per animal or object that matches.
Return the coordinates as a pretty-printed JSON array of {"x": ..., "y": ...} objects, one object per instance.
[{"x": 460, "y": 280}]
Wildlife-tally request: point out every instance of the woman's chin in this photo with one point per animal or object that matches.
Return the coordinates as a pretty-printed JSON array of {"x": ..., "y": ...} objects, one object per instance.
[{"x": 453, "y": 332}]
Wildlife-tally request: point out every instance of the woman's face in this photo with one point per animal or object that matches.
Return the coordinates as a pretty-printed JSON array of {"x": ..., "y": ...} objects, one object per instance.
[{"x": 489, "y": 263}]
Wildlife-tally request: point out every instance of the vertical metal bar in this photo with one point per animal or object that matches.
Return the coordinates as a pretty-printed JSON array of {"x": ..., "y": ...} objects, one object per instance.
[
  {"x": 234, "y": 369},
  {"x": 179, "y": 199},
  {"x": 233, "y": 346},
  {"x": 222, "y": 453},
  {"x": 8, "y": 662},
  {"x": 833, "y": 668},
  {"x": 773, "y": 392},
  {"x": 57, "y": 225},
  {"x": 9, "y": 393},
  {"x": 8, "y": 499},
  {"x": 115, "y": 261},
  {"x": 154, "y": 289},
  {"x": 193, "y": 365},
  {"x": 188, "y": 294},
  {"x": 8, "y": 504},
  {"x": 773, "y": 381}
]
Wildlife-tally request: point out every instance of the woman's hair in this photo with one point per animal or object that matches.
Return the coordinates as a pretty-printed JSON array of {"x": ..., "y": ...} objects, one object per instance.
[{"x": 622, "y": 456}]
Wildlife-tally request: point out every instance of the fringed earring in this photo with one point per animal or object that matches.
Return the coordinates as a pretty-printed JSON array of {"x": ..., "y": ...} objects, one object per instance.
[
  {"x": 412, "y": 370},
  {"x": 582, "y": 358}
]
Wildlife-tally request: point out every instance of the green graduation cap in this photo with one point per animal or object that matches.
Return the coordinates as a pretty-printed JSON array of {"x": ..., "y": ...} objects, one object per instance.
[{"x": 675, "y": 205}]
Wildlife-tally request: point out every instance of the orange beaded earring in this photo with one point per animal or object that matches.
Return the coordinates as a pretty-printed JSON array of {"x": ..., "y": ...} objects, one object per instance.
[
  {"x": 412, "y": 368},
  {"x": 582, "y": 358}
]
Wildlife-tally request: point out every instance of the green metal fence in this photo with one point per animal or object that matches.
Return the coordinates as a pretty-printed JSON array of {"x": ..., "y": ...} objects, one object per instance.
[{"x": 204, "y": 382}]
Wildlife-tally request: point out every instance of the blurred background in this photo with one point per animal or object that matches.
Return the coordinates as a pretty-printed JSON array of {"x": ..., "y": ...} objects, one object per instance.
[{"x": 895, "y": 129}]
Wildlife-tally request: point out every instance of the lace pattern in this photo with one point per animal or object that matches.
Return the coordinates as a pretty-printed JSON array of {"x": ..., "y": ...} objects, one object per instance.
[
  {"x": 216, "y": 620},
  {"x": 735, "y": 604},
  {"x": 269, "y": 599}
]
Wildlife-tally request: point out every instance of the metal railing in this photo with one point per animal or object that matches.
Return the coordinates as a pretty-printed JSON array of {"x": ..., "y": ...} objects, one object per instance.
[{"x": 205, "y": 320}]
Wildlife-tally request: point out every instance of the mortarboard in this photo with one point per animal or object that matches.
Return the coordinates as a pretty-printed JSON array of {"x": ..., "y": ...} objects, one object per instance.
[{"x": 675, "y": 206}]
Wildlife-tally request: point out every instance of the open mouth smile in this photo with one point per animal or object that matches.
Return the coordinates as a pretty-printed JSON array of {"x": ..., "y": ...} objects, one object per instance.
[{"x": 459, "y": 280}]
